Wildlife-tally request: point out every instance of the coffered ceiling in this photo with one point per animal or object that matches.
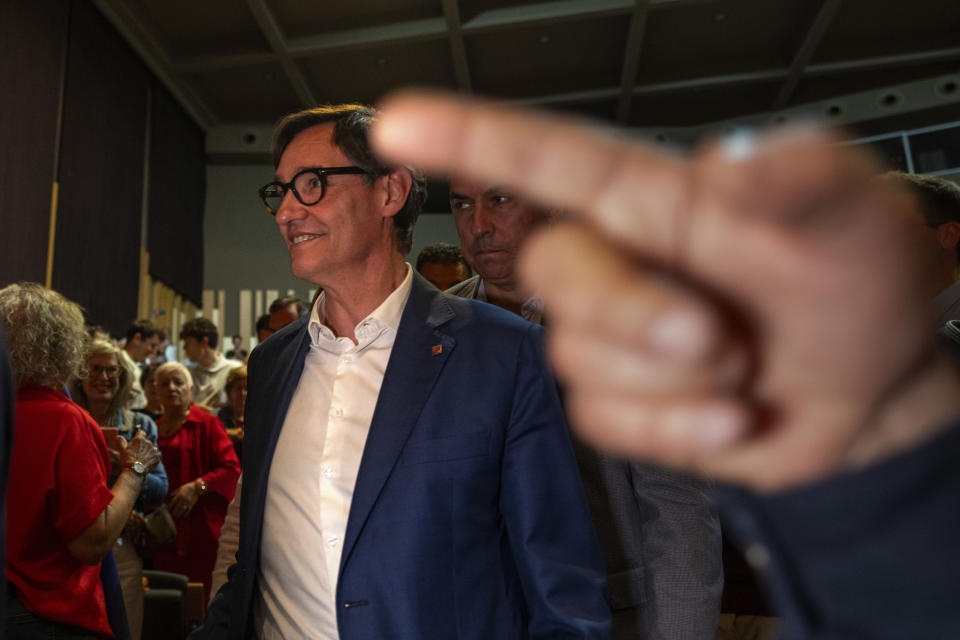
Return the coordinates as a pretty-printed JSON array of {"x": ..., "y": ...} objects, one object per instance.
[{"x": 642, "y": 63}]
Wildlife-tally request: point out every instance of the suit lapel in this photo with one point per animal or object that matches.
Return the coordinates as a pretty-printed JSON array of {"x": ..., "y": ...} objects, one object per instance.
[
  {"x": 419, "y": 354},
  {"x": 281, "y": 382}
]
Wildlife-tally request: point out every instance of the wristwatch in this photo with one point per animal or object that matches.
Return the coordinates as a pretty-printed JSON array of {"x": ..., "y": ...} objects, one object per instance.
[{"x": 137, "y": 467}]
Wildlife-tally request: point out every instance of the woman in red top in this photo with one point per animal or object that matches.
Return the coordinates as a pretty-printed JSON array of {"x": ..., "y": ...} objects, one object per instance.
[
  {"x": 62, "y": 518},
  {"x": 202, "y": 469}
]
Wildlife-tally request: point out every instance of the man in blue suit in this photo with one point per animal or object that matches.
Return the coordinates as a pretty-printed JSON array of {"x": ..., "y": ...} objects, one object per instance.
[{"x": 408, "y": 471}]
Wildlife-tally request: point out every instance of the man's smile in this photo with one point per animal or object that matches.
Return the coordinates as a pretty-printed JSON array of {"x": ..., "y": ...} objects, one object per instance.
[{"x": 300, "y": 238}]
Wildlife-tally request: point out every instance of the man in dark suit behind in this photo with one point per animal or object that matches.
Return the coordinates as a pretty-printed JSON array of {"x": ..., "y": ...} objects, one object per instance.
[
  {"x": 659, "y": 530},
  {"x": 408, "y": 471}
]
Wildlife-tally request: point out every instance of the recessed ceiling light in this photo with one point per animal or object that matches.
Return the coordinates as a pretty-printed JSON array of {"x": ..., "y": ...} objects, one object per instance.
[
  {"x": 947, "y": 88},
  {"x": 890, "y": 100}
]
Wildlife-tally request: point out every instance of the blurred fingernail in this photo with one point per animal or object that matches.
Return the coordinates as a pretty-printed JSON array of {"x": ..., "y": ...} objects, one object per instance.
[
  {"x": 680, "y": 334},
  {"x": 740, "y": 144}
]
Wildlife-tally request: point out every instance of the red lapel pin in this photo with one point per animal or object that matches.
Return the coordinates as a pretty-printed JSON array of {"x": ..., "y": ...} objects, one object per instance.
[{"x": 437, "y": 349}]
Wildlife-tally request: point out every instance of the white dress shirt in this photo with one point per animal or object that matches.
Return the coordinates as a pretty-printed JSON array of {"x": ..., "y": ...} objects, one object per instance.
[
  {"x": 314, "y": 471},
  {"x": 209, "y": 382}
]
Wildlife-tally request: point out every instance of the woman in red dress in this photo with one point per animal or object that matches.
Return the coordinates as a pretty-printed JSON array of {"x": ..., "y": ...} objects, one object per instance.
[{"x": 202, "y": 469}]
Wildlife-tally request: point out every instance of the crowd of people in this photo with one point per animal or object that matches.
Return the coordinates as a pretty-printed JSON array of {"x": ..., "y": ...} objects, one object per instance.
[
  {"x": 117, "y": 466},
  {"x": 747, "y": 334}
]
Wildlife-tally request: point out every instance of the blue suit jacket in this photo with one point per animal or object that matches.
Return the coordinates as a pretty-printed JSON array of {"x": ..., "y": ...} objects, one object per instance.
[{"x": 468, "y": 518}]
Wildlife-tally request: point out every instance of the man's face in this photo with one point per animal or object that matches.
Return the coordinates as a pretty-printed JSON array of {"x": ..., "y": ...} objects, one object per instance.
[
  {"x": 444, "y": 276},
  {"x": 341, "y": 230},
  {"x": 282, "y": 317},
  {"x": 932, "y": 259},
  {"x": 143, "y": 348},
  {"x": 192, "y": 348},
  {"x": 492, "y": 224}
]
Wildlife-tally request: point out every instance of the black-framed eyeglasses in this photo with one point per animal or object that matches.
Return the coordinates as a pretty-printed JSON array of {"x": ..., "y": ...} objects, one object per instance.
[
  {"x": 308, "y": 186},
  {"x": 95, "y": 371}
]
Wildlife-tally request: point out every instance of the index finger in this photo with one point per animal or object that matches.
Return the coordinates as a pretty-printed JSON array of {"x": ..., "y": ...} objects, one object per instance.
[{"x": 633, "y": 192}]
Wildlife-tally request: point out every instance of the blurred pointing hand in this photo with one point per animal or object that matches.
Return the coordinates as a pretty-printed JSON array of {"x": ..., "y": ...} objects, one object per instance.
[{"x": 750, "y": 312}]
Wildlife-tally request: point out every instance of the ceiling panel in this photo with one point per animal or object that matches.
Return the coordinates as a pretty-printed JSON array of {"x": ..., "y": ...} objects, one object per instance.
[
  {"x": 605, "y": 110},
  {"x": 549, "y": 58},
  {"x": 365, "y": 75},
  {"x": 699, "y": 60},
  {"x": 701, "y": 106},
  {"x": 697, "y": 40},
  {"x": 470, "y": 9},
  {"x": 257, "y": 93},
  {"x": 867, "y": 28},
  {"x": 189, "y": 28},
  {"x": 299, "y": 18}
]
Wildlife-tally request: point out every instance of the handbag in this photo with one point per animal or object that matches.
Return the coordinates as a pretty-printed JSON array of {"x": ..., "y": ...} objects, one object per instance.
[{"x": 161, "y": 530}]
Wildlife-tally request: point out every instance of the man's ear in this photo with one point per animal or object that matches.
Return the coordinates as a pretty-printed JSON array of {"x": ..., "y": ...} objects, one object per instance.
[
  {"x": 948, "y": 234},
  {"x": 397, "y": 185}
]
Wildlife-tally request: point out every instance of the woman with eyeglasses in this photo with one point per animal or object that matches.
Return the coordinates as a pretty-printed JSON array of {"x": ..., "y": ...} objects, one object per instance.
[
  {"x": 203, "y": 470},
  {"x": 104, "y": 392},
  {"x": 63, "y": 516}
]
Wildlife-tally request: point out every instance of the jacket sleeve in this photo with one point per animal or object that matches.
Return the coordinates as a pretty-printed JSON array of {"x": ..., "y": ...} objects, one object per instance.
[
  {"x": 545, "y": 512},
  {"x": 218, "y": 612},
  {"x": 229, "y": 542},
  {"x": 681, "y": 550},
  {"x": 224, "y": 465}
]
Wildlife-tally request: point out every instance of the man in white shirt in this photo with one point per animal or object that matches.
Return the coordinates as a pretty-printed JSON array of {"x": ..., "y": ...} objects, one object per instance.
[
  {"x": 200, "y": 339},
  {"x": 143, "y": 338},
  {"x": 411, "y": 474}
]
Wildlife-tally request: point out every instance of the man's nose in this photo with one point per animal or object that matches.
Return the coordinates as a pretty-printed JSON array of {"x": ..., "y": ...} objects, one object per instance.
[
  {"x": 480, "y": 221},
  {"x": 289, "y": 209}
]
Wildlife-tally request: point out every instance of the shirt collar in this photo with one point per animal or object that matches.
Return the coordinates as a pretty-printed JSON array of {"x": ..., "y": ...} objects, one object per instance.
[
  {"x": 215, "y": 366},
  {"x": 385, "y": 317}
]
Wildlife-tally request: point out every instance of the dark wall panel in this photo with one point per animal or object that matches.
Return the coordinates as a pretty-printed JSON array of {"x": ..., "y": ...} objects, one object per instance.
[
  {"x": 32, "y": 40},
  {"x": 177, "y": 188},
  {"x": 97, "y": 255}
]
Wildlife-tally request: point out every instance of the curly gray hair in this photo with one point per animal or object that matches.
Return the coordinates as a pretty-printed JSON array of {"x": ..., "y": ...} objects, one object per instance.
[
  {"x": 119, "y": 403},
  {"x": 45, "y": 335}
]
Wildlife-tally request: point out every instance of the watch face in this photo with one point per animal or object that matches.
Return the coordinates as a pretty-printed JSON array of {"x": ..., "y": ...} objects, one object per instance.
[{"x": 138, "y": 467}]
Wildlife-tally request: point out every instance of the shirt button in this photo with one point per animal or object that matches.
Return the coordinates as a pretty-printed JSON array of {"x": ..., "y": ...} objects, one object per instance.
[
  {"x": 328, "y": 472},
  {"x": 332, "y": 541},
  {"x": 337, "y": 413}
]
